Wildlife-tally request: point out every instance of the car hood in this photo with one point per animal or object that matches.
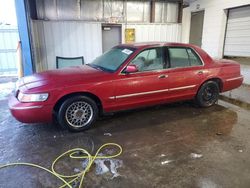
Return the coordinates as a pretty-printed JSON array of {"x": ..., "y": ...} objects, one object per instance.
[{"x": 62, "y": 77}]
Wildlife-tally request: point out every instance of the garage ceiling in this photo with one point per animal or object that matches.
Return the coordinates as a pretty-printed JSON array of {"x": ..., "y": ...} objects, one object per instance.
[{"x": 237, "y": 41}]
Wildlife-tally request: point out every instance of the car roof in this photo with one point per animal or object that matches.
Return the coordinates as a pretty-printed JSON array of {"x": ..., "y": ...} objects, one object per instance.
[{"x": 154, "y": 44}]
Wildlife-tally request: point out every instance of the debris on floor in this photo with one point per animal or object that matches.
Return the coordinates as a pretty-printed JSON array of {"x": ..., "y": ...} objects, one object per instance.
[
  {"x": 166, "y": 162},
  {"x": 107, "y": 134},
  {"x": 195, "y": 155},
  {"x": 76, "y": 170},
  {"x": 102, "y": 168},
  {"x": 167, "y": 131},
  {"x": 114, "y": 165},
  {"x": 135, "y": 154},
  {"x": 85, "y": 163}
]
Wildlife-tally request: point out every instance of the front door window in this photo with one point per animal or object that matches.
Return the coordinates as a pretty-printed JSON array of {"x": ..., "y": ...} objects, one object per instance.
[{"x": 148, "y": 60}]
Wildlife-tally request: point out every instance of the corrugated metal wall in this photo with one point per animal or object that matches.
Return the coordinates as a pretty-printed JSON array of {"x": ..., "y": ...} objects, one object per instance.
[
  {"x": 65, "y": 39},
  {"x": 107, "y": 10},
  {"x": 156, "y": 32},
  {"x": 8, "y": 44},
  {"x": 166, "y": 12},
  {"x": 78, "y": 38}
]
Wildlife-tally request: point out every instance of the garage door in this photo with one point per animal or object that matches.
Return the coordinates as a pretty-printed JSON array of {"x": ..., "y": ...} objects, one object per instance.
[{"x": 237, "y": 42}]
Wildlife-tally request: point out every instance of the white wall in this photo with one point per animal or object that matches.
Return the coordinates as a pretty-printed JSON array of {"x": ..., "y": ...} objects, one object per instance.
[
  {"x": 155, "y": 32},
  {"x": 186, "y": 21},
  {"x": 9, "y": 38},
  {"x": 65, "y": 39},
  {"x": 214, "y": 23}
]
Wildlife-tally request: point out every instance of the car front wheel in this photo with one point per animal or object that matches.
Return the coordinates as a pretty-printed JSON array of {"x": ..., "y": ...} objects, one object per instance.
[
  {"x": 208, "y": 94},
  {"x": 77, "y": 113}
]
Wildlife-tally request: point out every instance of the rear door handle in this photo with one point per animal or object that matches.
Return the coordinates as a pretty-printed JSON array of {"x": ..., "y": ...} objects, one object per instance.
[{"x": 162, "y": 76}]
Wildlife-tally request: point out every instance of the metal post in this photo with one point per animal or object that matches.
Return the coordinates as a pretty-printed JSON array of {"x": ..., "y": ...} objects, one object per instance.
[
  {"x": 152, "y": 11},
  {"x": 24, "y": 37}
]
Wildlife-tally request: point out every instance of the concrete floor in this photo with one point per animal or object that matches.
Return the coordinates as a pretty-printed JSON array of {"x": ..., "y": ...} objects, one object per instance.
[
  {"x": 159, "y": 146},
  {"x": 240, "y": 95}
]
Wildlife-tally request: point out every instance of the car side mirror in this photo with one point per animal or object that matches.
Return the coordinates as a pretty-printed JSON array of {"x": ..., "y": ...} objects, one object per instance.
[{"x": 131, "y": 69}]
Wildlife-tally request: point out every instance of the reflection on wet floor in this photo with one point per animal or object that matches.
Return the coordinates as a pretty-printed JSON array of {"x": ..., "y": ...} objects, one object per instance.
[
  {"x": 6, "y": 89},
  {"x": 175, "y": 145}
]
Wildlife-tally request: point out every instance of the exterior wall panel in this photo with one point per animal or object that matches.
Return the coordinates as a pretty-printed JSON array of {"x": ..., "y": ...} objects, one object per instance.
[
  {"x": 8, "y": 45},
  {"x": 214, "y": 22},
  {"x": 156, "y": 32},
  {"x": 65, "y": 39}
]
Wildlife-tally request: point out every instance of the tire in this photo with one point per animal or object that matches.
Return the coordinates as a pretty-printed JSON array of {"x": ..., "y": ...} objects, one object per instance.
[
  {"x": 77, "y": 113},
  {"x": 208, "y": 94}
]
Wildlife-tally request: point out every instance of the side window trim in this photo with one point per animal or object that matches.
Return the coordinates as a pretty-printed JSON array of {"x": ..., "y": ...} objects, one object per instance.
[
  {"x": 189, "y": 61},
  {"x": 197, "y": 56},
  {"x": 166, "y": 57}
]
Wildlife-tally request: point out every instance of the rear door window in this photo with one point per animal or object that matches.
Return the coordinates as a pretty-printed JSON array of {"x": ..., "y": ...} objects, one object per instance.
[
  {"x": 193, "y": 58},
  {"x": 183, "y": 57}
]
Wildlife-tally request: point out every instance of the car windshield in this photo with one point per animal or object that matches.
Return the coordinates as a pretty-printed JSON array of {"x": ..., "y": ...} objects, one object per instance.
[{"x": 111, "y": 60}]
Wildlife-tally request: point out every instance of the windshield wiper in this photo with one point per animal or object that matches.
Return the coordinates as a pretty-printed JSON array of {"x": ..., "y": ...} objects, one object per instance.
[
  {"x": 94, "y": 66},
  {"x": 98, "y": 67}
]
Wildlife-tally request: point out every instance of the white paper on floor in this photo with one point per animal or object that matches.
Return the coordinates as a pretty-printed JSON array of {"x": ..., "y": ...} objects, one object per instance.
[
  {"x": 195, "y": 155},
  {"x": 85, "y": 163},
  {"x": 102, "y": 168},
  {"x": 166, "y": 162}
]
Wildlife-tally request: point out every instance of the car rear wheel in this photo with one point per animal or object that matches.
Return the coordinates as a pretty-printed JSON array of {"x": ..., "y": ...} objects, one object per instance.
[
  {"x": 208, "y": 94},
  {"x": 77, "y": 113}
]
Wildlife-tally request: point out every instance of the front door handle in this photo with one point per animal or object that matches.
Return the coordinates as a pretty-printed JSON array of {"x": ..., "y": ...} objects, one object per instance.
[
  {"x": 200, "y": 72},
  {"x": 162, "y": 76}
]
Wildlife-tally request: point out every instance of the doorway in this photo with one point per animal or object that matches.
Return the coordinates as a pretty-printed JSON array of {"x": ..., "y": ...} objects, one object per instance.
[
  {"x": 111, "y": 36},
  {"x": 196, "y": 28}
]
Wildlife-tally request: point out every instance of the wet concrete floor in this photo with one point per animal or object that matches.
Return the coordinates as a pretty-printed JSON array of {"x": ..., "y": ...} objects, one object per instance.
[{"x": 175, "y": 145}]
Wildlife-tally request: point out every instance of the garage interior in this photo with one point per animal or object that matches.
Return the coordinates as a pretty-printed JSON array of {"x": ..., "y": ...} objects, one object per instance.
[
  {"x": 172, "y": 145},
  {"x": 69, "y": 22}
]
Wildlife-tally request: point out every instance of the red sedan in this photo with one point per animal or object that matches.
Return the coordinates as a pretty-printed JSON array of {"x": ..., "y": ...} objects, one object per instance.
[{"x": 126, "y": 77}]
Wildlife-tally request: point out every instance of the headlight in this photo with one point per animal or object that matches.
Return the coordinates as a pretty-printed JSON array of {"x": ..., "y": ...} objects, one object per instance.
[{"x": 39, "y": 97}]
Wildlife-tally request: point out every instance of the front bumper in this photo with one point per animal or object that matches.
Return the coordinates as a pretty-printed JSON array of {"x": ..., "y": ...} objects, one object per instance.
[{"x": 30, "y": 112}]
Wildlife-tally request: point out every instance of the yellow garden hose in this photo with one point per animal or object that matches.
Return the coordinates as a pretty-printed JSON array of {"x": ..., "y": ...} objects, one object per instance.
[{"x": 74, "y": 154}]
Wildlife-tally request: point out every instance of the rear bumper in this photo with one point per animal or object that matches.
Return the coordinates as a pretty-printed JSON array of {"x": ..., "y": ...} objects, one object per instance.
[
  {"x": 30, "y": 112},
  {"x": 232, "y": 83}
]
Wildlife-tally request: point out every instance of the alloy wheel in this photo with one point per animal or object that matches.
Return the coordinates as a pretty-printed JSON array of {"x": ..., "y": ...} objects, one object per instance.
[{"x": 79, "y": 114}]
